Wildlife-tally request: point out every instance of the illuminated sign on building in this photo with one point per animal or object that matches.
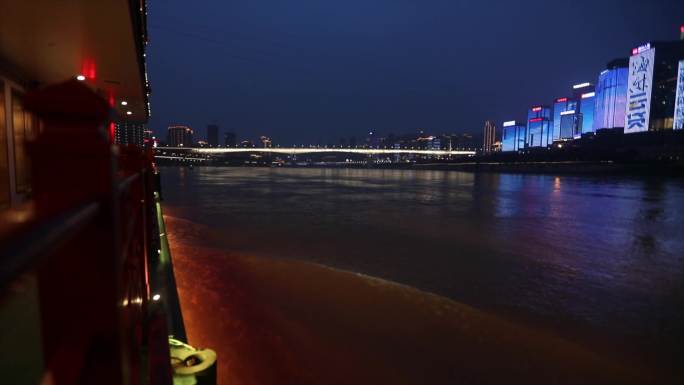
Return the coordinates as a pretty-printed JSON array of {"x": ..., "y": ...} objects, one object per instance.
[
  {"x": 536, "y": 109},
  {"x": 535, "y": 120},
  {"x": 588, "y": 95},
  {"x": 639, "y": 89},
  {"x": 561, "y": 100},
  {"x": 641, "y": 49},
  {"x": 582, "y": 85},
  {"x": 679, "y": 99},
  {"x": 568, "y": 112},
  {"x": 509, "y": 123}
]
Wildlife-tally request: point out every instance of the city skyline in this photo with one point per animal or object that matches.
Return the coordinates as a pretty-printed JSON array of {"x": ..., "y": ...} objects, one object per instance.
[{"x": 253, "y": 84}]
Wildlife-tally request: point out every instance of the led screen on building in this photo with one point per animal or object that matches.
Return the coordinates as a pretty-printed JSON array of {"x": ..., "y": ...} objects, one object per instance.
[
  {"x": 509, "y": 138},
  {"x": 538, "y": 134},
  {"x": 611, "y": 96},
  {"x": 513, "y": 138},
  {"x": 679, "y": 99},
  {"x": 587, "y": 111},
  {"x": 639, "y": 89}
]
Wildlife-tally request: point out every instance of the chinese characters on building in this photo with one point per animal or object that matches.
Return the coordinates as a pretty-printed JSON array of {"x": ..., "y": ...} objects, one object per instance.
[
  {"x": 639, "y": 91},
  {"x": 679, "y": 100}
]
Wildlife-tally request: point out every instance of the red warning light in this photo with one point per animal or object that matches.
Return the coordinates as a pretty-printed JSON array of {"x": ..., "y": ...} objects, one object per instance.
[
  {"x": 112, "y": 131},
  {"x": 88, "y": 68},
  {"x": 681, "y": 29}
]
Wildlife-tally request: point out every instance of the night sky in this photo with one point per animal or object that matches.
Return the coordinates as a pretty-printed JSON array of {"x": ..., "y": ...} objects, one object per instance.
[{"x": 314, "y": 71}]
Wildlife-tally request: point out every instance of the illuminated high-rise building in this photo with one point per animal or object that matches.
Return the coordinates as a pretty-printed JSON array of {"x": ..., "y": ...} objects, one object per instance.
[
  {"x": 489, "y": 137},
  {"x": 539, "y": 127},
  {"x": 563, "y": 110},
  {"x": 570, "y": 125},
  {"x": 611, "y": 96},
  {"x": 513, "y": 136},
  {"x": 586, "y": 110},
  {"x": 652, "y": 86},
  {"x": 179, "y": 136},
  {"x": 265, "y": 141},
  {"x": 585, "y": 95}
]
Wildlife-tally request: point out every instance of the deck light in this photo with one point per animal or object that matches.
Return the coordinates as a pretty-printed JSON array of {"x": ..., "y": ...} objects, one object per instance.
[
  {"x": 156, "y": 297},
  {"x": 129, "y": 113},
  {"x": 80, "y": 78},
  {"x": 124, "y": 103}
]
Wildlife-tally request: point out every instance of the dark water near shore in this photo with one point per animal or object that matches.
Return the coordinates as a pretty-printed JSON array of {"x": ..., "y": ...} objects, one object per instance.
[{"x": 595, "y": 256}]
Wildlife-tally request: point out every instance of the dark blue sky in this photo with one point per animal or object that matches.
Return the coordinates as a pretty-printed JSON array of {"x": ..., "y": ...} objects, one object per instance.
[{"x": 313, "y": 71}]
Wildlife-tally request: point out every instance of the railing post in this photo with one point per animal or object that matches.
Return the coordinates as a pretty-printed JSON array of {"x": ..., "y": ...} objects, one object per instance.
[{"x": 80, "y": 293}]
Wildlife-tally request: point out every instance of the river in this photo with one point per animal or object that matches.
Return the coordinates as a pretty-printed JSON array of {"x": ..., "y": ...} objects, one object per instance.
[{"x": 591, "y": 258}]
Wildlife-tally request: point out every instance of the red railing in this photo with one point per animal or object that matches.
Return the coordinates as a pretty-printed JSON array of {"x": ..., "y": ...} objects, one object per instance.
[{"x": 87, "y": 238}]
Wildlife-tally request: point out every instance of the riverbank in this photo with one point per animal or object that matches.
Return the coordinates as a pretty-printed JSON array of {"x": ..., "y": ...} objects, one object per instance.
[{"x": 279, "y": 321}]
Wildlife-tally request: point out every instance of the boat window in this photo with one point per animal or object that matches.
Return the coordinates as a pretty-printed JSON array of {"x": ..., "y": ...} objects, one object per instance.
[
  {"x": 4, "y": 160},
  {"x": 23, "y": 129}
]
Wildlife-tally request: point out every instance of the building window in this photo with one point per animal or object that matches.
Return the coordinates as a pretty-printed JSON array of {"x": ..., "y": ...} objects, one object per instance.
[
  {"x": 23, "y": 127},
  {"x": 4, "y": 157}
]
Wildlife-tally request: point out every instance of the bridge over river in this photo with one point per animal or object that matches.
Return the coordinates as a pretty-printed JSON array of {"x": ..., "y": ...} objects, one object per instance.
[{"x": 315, "y": 150}]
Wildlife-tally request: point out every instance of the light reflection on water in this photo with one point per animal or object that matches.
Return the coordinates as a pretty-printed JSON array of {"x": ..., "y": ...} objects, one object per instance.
[{"x": 601, "y": 252}]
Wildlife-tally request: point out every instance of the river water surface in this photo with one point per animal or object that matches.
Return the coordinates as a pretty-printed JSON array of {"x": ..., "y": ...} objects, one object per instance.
[{"x": 589, "y": 257}]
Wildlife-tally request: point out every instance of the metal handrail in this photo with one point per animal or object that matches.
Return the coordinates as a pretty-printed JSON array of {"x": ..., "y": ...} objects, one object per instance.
[
  {"x": 125, "y": 184},
  {"x": 23, "y": 251}
]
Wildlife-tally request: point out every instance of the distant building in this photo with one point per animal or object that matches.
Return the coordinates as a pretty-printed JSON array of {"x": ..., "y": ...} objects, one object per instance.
[
  {"x": 179, "y": 136},
  {"x": 513, "y": 136},
  {"x": 129, "y": 133},
  {"x": 611, "y": 96},
  {"x": 213, "y": 135},
  {"x": 652, "y": 86},
  {"x": 434, "y": 143},
  {"x": 539, "y": 127},
  {"x": 230, "y": 139},
  {"x": 489, "y": 137},
  {"x": 265, "y": 141},
  {"x": 565, "y": 111}
]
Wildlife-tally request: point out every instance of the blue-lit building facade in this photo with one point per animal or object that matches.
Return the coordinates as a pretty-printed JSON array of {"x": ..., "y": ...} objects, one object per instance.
[
  {"x": 585, "y": 95},
  {"x": 564, "y": 111},
  {"x": 644, "y": 92},
  {"x": 611, "y": 96},
  {"x": 569, "y": 123},
  {"x": 539, "y": 127},
  {"x": 586, "y": 110},
  {"x": 513, "y": 136}
]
